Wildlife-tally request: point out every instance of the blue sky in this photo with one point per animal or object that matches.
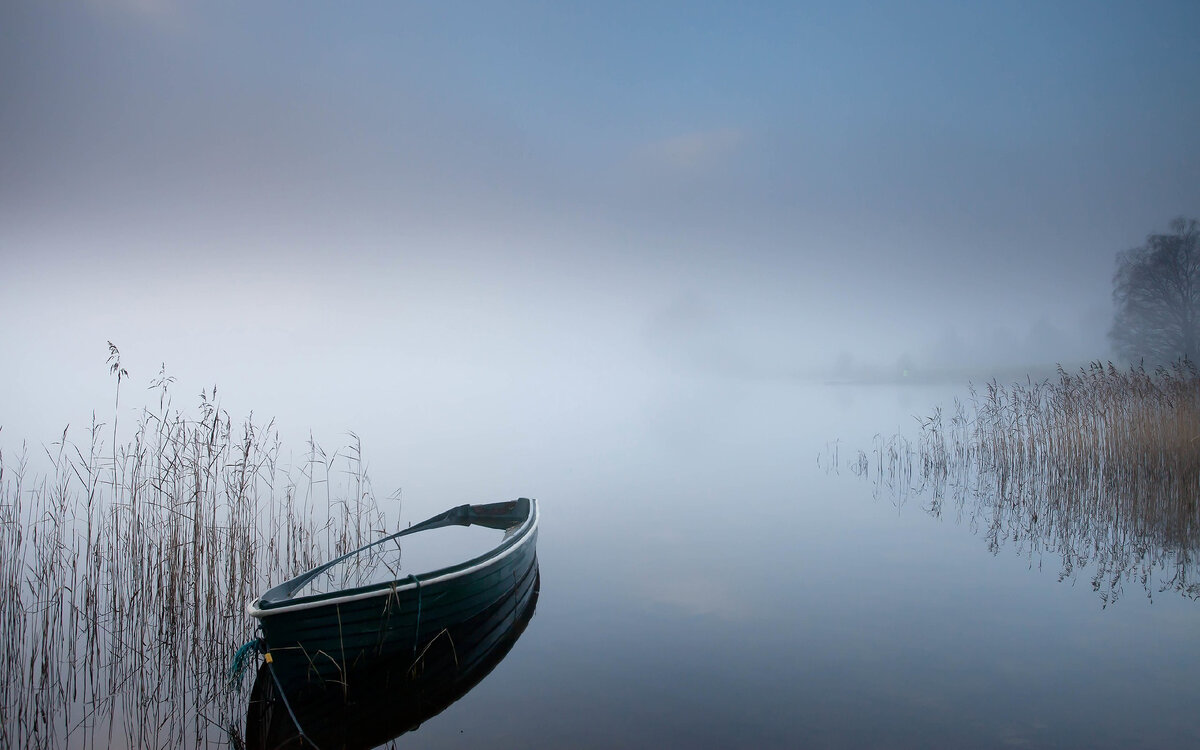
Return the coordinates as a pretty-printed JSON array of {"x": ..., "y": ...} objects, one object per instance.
[{"x": 775, "y": 185}]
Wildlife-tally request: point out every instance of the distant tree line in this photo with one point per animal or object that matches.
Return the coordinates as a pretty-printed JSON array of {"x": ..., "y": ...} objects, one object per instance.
[{"x": 1156, "y": 292}]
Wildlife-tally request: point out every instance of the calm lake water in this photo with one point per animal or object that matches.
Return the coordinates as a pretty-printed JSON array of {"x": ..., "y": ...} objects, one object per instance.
[
  {"x": 709, "y": 581},
  {"x": 712, "y": 577}
]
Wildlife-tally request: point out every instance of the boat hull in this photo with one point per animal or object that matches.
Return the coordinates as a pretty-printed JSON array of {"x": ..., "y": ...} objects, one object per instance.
[
  {"x": 331, "y": 638},
  {"x": 391, "y": 696}
]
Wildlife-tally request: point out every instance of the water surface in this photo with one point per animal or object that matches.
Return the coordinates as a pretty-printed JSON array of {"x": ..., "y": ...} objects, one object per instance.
[
  {"x": 714, "y": 574},
  {"x": 709, "y": 581}
]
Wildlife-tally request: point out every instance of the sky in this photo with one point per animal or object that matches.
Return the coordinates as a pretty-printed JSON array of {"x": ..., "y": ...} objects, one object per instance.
[{"x": 440, "y": 198}]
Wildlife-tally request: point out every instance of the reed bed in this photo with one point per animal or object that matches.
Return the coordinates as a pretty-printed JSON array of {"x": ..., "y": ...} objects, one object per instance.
[
  {"x": 125, "y": 570},
  {"x": 1100, "y": 467}
]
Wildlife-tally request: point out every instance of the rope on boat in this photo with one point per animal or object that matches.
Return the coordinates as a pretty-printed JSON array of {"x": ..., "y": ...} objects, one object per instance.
[
  {"x": 241, "y": 660},
  {"x": 283, "y": 697}
]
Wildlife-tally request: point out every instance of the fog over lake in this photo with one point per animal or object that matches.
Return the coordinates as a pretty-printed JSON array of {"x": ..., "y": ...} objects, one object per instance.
[{"x": 666, "y": 270}]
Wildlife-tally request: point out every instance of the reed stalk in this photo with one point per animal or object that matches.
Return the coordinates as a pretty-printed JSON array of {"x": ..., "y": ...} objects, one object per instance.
[
  {"x": 126, "y": 567},
  {"x": 1099, "y": 467}
]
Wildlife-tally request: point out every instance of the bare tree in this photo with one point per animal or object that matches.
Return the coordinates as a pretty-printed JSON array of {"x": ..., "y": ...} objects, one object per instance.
[{"x": 1156, "y": 290}]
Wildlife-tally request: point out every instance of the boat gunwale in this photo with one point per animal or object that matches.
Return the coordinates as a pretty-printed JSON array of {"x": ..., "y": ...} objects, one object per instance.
[{"x": 387, "y": 588}]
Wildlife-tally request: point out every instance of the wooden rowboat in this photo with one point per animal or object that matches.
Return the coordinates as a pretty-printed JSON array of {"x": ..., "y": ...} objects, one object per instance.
[
  {"x": 364, "y": 607},
  {"x": 395, "y": 695}
]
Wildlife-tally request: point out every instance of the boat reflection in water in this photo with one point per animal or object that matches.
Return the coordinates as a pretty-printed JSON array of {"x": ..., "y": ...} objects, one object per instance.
[{"x": 380, "y": 700}]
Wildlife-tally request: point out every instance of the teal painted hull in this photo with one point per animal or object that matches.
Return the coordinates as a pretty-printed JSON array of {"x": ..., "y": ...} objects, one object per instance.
[
  {"x": 330, "y": 637},
  {"x": 388, "y": 697}
]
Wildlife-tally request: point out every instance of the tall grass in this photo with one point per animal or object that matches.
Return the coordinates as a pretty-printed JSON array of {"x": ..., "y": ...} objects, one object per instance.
[
  {"x": 126, "y": 567},
  {"x": 1100, "y": 467}
]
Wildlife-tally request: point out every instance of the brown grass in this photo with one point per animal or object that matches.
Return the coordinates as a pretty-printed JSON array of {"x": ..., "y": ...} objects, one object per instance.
[
  {"x": 125, "y": 570},
  {"x": 1100, "y": 467}
]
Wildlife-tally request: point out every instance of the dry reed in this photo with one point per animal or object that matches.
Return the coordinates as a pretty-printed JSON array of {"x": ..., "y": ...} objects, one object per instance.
[
  {"x": 125, "y": 570},
  {"x": 1100, "y": 467}
]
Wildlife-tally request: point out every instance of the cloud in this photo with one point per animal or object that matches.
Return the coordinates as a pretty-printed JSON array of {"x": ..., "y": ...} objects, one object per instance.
[
  {"x": 138, "y": 7},
  {"x": 695, "y": 150},
  {"x": 160, "y": 15}
]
